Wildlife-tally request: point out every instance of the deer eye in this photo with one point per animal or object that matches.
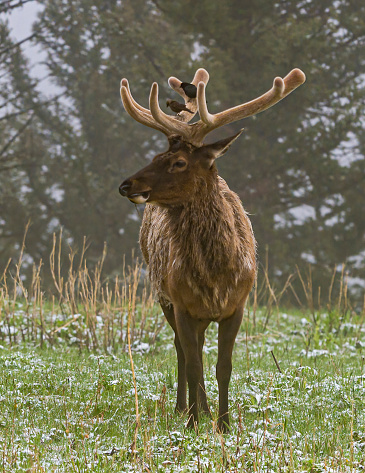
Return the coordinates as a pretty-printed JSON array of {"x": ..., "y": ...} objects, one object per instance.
[{"x": 179, "y": 164}]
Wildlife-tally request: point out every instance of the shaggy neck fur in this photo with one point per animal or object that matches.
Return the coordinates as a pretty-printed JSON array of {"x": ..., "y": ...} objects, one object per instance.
[
  {"x": 210, "y": 239},
  {"x": 203, "y": 230}
]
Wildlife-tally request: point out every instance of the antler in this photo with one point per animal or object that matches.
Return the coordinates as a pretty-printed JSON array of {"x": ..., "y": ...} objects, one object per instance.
[
  {"x": 196, "y": 132},
  {"x": 280, "y": 89},
  {"x": 155, "y": 117}
]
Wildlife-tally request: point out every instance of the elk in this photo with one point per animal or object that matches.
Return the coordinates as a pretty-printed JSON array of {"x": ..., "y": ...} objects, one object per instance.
[{"x": 195, "y": 236}]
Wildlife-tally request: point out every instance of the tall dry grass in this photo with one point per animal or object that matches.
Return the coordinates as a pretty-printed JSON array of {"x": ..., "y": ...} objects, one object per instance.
[
  {"x": 97, "y": 313},
  {"x": 84, "y": 308}
]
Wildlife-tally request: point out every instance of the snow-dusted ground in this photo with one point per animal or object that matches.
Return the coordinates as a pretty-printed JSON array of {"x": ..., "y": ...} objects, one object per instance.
[{"x": 64, "y": 407}]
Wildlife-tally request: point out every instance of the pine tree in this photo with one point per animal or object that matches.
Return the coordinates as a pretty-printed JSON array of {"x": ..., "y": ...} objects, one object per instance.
[{"x": 298, "y": 167}]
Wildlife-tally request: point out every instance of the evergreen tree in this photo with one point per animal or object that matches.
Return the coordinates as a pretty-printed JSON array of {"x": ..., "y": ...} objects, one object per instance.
[
  {"x": 298, "y": 161},
  {"x": 299, "y": 167}
]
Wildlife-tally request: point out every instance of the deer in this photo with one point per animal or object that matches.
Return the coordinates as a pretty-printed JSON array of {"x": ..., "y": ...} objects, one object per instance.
[{"x": 195, "y": 235}]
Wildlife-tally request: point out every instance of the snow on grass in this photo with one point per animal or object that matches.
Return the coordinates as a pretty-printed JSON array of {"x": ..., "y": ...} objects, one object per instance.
[{"x": 66, "y": 409}]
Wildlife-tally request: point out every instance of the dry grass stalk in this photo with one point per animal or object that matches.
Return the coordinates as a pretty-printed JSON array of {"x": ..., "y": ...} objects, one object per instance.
[
  {"x": 274, "y": 297},
  {"x": 254, "y": 308},
  {"x": 130, "y": 312},
  {"x": 56, "y": 268},
  {"x": 341, "y": 288},
  {"x": 276, "y": 361},
  {"x": 308, "y": 291},
  {"x": 329, "y": 305}
]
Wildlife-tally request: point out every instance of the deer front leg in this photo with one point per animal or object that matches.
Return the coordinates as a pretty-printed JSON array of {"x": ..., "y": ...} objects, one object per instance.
[
  {"x": 181, "y": 405},
  {"x": 203, "y": 403},
  {"x": 188, "y": 330},
  {"x": 227, "y": 332}
]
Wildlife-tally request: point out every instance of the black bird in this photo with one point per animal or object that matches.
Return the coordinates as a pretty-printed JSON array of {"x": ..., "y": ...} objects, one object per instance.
[
  {"x": 189, "y": 89},
  {"x": 177, "y": 107}
]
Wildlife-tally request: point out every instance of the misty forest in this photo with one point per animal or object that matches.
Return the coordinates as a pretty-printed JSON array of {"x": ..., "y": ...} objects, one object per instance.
[
  {"x": 298, "y": 168},
  {"x": 72, "y": 277}
]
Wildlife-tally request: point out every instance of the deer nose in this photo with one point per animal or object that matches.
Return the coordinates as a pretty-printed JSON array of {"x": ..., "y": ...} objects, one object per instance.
[{"x": 124, "y": 188}]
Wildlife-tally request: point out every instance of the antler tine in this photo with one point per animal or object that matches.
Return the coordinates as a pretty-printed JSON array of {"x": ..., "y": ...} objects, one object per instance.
[
  {"x": 294, "y": 79},
  {"x": 175, "y": 83},
  {"x": 201, "y": 75},
  {"x": 136, "y": 111},
  {"x": 168, "y": 122},
  {"x": 125, "y": 83},
  {"x": 205, "y": 116},
  {"x": 280, "y": 89}
]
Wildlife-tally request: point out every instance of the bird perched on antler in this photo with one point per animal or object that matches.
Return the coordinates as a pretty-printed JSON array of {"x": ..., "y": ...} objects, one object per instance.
[
  {"x": 189, "y": 89},
  {"x": 177, "y": 107}
]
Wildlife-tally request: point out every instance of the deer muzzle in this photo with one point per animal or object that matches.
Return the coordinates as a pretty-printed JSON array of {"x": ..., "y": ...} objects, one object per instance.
[{"x": 137, "y": 197}]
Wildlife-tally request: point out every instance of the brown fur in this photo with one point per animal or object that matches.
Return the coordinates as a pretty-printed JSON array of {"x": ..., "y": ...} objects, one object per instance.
[
  {"x": 198, "y": 243},
  {"x": 195, "y": 235},
  {"x": 207, "y": 243}
]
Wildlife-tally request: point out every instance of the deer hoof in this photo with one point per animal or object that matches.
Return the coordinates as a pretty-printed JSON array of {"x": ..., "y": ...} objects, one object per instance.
[
  {"x": 223, "y": 426},
  {"x": 181, "y": 409}
]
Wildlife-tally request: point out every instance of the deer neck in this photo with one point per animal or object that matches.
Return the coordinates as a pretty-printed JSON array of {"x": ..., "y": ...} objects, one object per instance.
[
  {"x": 206, "y": 245},
  {"x": 204, "y": 228}
]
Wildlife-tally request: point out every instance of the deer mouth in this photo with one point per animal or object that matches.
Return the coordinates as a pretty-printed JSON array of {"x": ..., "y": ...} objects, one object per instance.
[{"x": 139, "y": 198}]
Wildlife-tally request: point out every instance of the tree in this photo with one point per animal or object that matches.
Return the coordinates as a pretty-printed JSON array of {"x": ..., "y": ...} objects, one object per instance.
[
  {"x": 298, "y": 168},
  {"x": 299, "y": 160}
]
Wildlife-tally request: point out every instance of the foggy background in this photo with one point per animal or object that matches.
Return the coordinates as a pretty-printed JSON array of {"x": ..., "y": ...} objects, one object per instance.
[{"x": 66, "y": 142}]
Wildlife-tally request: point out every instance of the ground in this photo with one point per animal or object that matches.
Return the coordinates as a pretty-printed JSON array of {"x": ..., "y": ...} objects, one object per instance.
[{"x": 65, "y": 407}]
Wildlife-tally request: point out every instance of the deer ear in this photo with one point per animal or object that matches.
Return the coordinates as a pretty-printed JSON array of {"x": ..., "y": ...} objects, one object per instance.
[{"x": 217, "y": 149}]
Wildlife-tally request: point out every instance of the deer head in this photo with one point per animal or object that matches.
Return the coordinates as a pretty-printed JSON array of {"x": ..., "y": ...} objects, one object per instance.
[{"x": 170, "y": 177}]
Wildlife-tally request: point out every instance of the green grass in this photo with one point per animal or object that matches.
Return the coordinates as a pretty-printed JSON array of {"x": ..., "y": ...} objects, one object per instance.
[{"x": 64, "y": 408}]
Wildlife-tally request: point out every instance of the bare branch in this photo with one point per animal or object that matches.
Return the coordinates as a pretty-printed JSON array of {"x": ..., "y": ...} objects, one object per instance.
[
  {"x": 16, "y": 136},
  {"x": 18, "y": 165},
  {"x": 7, "y": 6},
  {"x": 33, "y": 108},
  {"x": 16, "y": 45}
]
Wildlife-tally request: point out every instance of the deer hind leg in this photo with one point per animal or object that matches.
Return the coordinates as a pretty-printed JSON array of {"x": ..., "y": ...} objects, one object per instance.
[
  {"x": 188, "y": 329},
  {"x": 181, "y": 405},
  {"x": 227, "y": 332}
]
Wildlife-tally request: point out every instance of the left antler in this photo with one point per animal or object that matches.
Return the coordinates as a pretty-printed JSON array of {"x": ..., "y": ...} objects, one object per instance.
[{"x": 155, "y": 117}]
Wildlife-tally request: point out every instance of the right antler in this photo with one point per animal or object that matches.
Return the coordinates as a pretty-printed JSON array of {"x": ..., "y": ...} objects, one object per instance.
[{"x": 196, "y": 132}]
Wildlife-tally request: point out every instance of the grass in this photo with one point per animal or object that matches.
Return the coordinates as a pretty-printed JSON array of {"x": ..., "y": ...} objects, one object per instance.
[
  {"x": 88, "y": 382},
  {"x": 64, "y": 409}
]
